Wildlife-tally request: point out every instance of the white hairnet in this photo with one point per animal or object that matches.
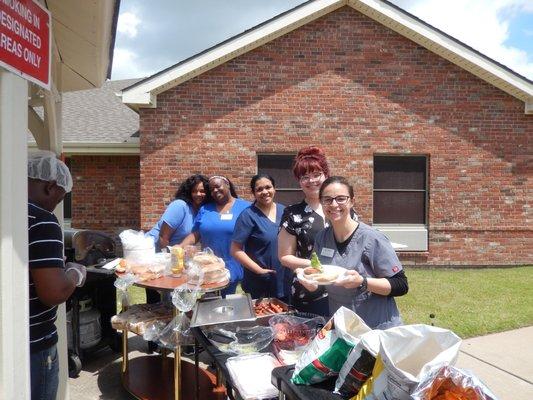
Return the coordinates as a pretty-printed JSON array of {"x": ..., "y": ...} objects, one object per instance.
[{"x": 45, "y": 166}]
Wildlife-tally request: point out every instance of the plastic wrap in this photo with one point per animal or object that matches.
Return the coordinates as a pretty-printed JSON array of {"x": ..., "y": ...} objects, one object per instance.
[
  {"x": 122, "y": 283},
  {"x": 446, "y": 382},
  {"x": 292, "y": 333},
  {"x": 139, "y": 317},
  {"x": 252, "y": 374},
  {"x": 137, "y": 247},
  {"x": 177, "y": 332},
  {"x": 234, "y": 339},
  {"x": 184, "y": 296}
]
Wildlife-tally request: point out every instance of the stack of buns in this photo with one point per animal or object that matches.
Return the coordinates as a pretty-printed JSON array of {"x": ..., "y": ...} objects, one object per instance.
[{"x": 214, "y": 269}]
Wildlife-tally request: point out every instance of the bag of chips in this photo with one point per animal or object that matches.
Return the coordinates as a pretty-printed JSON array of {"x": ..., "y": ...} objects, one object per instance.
[
  {"x": 329, "y": 349},
  {"x": 445, "y": 382}
]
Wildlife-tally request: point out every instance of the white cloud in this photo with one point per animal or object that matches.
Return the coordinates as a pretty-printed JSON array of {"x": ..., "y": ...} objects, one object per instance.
[
  {"x": 481, "y": 24},
  {"x": 127, "y": 24},
  {"x": 126, "y": 65}
]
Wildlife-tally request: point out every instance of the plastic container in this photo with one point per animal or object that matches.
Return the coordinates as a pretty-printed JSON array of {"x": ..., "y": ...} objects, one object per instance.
[{"x": 251, "y": 375}]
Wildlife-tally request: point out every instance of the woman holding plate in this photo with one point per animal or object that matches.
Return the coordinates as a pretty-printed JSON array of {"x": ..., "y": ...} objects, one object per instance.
[{"x": 374, "y": 274}]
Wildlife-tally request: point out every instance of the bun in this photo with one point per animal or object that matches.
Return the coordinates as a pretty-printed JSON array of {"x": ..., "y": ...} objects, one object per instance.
[{"x": 205, "y": 259}]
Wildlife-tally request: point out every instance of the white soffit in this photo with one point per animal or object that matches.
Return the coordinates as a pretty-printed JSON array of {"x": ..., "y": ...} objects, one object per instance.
[
  {"x": 144, "y": 93},
  {"x": 84, "y": 34}
]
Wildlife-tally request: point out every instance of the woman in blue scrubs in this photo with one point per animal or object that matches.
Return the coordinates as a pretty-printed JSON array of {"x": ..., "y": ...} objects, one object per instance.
[
  {"x": 215, "y": 223},
  {"x": 255, "y": 241},
  {"x": 177, "y": 220}
]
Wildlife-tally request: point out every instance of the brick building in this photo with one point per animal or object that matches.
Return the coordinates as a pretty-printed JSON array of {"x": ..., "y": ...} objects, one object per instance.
[
  {"x": 101, "y": 147},
  {"x": 435, "y": 136}
]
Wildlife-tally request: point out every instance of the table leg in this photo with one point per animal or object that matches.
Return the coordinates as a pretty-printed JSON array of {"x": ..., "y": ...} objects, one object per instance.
[
  {"x": 124, "y": 351},
  {"x": 196, "y": 370},
  {"x": 177, "y": 372}
]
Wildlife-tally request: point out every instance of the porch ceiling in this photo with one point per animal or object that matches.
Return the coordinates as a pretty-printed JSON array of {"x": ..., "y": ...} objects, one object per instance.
[{"x": 84, "y": 38}]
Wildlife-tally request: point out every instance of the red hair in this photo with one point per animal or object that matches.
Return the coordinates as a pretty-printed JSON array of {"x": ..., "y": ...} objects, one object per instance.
[{"x": 310, "y": 159}]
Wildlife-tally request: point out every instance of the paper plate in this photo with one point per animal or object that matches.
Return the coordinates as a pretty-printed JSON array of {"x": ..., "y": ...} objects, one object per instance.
[{"x": 327, "y": 268}]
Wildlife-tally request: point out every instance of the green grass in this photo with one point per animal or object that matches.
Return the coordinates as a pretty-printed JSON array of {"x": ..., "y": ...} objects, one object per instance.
[{"x": 470, "y": 302}]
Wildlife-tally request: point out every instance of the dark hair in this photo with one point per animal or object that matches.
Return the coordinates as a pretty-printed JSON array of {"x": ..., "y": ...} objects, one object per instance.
[
  {"x": 232, "y": 190},
  {"x": 186, "y": 187},
  {"x": 255, "y": 178},
  {"x": 336, "y": 179},
  {"x": 310, "y": 159}
]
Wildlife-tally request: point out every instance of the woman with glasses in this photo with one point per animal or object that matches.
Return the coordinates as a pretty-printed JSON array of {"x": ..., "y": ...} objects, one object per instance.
[
  {"x": 255, "y": 241},
  {"x": 299, "y": 225},
  {"x": 215, "y": 223},
  {"x": 375, "y": 275}
]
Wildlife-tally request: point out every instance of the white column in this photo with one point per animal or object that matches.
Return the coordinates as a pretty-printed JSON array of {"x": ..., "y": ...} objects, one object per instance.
[{"x": 14, "y": 305}]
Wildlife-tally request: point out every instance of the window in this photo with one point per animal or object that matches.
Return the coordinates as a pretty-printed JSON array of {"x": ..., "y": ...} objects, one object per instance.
[
  {"x": 279, "y": 167},
  {"x": 400, "y": 190}
]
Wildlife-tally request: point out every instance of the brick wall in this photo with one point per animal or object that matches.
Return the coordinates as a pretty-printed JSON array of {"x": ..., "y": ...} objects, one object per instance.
[
  {"x": 105, "y": 195},
  {"x": 356, "y": 88}
]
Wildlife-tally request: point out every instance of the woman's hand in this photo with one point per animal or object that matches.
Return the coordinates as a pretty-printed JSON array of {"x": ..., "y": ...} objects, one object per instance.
[
  {"x": 265, "y": 271},
  {"x": 350, "y": 280},
  {"x": 305, "y": 283}
]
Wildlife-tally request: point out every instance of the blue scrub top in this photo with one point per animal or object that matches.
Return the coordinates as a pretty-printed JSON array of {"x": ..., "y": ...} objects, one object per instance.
[
  {"x": 259, "y": 237},
  {"x": 216, "y": 230},
  {"x": 179, "y": 216}
]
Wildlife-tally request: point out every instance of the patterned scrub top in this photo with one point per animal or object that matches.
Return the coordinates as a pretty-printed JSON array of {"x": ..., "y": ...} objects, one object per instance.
[{"x": 302, "y": 221}]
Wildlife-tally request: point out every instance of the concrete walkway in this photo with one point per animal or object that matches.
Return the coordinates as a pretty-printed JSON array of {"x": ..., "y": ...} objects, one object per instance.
[{"x": 503, "y": 361}]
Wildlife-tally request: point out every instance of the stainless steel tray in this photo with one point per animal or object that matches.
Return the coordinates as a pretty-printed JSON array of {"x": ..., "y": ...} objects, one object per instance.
[{"x": 233, "y": 308}]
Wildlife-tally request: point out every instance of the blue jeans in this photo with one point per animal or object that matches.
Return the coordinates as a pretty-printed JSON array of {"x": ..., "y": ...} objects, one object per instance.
[{"x": 44, "y": 374}]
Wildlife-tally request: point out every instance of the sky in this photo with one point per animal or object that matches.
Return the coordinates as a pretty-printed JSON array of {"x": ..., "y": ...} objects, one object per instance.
[{"x": 153, "y": 35}]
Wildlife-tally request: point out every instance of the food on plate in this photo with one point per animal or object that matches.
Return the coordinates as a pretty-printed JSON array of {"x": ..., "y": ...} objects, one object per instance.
[
  {"x": 311, "y": 274},
  {"x": 122, "y": 266},
  {"x": 267, "y": 308},
  {"x": 315, "y": 262}
]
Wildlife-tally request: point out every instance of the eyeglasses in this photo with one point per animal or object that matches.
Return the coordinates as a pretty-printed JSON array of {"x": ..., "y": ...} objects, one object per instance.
[
  {"x": 311, "y": 177},
  {"x": 340, "y": 200}
]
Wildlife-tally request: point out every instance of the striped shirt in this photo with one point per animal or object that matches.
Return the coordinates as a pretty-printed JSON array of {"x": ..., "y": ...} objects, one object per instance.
[{"x": 45, "y": 245}]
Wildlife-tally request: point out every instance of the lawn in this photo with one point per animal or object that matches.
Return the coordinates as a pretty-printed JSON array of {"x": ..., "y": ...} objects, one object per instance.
[{"x": 470, "y": 302}]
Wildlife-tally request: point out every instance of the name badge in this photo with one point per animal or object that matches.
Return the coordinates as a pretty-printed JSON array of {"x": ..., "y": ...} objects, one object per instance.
[
  {"x": 226, "y": 217},
  {"x": 327, "y": 252}
]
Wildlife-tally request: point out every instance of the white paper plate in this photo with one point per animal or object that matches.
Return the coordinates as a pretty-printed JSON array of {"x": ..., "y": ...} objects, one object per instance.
[{"x": 327, "y": 268}]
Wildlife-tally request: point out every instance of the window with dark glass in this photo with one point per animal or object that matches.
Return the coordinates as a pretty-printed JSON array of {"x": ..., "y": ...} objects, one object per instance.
[
  {"x": 400, "y": 189},
  {"x": 279, "y": 167}
]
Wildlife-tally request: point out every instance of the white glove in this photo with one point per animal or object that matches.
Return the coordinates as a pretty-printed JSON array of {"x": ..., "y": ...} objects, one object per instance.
[{"x": 80, "y": 270}]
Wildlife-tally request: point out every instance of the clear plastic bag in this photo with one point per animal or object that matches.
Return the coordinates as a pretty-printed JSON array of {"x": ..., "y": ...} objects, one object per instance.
[
  {"x": 153, "y": 331},
  {"x": 292, "y": 333},
  {"x": 177, "y": 332},
  {"x": 448, "y": 382},
  {"x": 122, "y": 283},
  {"x": 184, "y": 296}
]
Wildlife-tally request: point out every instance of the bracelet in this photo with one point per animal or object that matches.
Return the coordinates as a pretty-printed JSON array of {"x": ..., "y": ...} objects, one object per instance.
[{"x": 80, "y": 276}]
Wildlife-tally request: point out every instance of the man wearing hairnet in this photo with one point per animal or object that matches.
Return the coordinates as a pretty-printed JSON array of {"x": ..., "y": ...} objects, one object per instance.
[{"x": 51, "y": 281}]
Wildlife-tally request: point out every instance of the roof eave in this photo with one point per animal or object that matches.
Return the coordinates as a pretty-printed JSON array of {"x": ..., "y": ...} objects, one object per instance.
[
  {"x": 93, "y": 148},
  {"x": 144, "y": 94},
  {"x": 446, "y": 47}
]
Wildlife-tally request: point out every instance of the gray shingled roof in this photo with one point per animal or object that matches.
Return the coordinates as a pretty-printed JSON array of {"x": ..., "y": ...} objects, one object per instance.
[{"x": 98, "y": 115}]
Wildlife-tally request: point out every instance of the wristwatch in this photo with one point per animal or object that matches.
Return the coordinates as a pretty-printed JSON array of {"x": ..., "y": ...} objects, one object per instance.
[{"x": 364, "y": 285}]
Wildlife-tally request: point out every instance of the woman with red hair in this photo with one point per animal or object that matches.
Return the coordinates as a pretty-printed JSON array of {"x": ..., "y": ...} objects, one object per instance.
[{"x": 299, "y": 225}]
